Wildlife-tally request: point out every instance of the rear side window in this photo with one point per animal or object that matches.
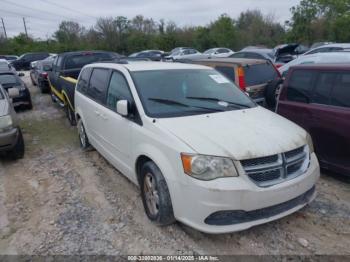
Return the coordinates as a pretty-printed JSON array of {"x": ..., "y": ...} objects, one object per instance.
[
  {"x": 300, "y": 86},
  {"x": 98, "y": 84},
  {"x": 341, "y": 91},
  {"x": 259, "y": 74},
  {"x": 82, "y": 85},
  {"x": 227, "y": 71},
  {"x": 323, "y": 87},
  {"x": 118, "y": 90}
]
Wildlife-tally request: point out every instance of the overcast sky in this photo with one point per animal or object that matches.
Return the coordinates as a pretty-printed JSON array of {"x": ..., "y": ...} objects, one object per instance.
[{"x": 43, "y": 16}]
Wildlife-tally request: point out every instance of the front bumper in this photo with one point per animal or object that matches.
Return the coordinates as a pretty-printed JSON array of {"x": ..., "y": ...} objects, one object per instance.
[
  {"x": 195, "y": 202},
  {"x": 8, "y": 139}
]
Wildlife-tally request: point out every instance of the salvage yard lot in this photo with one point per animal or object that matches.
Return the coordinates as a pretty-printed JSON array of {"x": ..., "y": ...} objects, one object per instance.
[{"x": 60, "y": 200}]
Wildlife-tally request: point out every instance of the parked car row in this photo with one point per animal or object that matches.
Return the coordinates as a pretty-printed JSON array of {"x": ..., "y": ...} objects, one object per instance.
[{"x": 196, "y": 136}]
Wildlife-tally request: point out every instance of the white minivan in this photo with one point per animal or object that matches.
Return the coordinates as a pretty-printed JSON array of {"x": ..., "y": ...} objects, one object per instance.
[{"x": 202, "y": 152}]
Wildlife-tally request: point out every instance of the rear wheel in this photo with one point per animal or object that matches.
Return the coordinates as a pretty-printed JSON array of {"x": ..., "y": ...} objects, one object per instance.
[
  {"x": 18, "y": 151},
  {"x": 83, "y": 139},
  {"x": 155, "y": 195},
  {"x": 70, "y": 115}
]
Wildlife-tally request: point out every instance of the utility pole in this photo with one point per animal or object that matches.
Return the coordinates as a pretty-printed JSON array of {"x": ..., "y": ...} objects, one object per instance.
[
  {"x": 3, "y": 26},
  {"x": 25, "y": 27}
]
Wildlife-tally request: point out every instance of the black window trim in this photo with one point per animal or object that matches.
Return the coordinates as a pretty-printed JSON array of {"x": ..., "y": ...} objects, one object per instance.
[{"x": 136, "y": 118}]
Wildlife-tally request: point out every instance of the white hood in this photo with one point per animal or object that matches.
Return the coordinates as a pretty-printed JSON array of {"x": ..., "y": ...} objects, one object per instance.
[{"x": 240, "y": 134}]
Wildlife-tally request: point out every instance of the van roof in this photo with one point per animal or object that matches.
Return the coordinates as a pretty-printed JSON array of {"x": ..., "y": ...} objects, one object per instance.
[{"x": 147, "y": 65}]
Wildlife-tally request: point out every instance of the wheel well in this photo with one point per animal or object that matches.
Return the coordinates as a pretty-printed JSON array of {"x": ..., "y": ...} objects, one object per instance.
[{"x": 141, "y": 160}]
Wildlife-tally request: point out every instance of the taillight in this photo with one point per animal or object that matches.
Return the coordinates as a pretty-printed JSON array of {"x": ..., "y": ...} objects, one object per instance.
[
  {"x": 275, "y": 66},
  {"x": 241, "y": 79},
  {"x": 44, "y": 74}
]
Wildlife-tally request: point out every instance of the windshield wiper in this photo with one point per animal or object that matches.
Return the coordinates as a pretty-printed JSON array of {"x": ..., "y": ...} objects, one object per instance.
[
  {"x": 217, "y": 100},
  {"x": 174, "y": 102}
]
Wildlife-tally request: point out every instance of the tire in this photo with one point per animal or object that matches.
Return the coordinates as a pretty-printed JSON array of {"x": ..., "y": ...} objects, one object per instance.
[
  {"x": 30, "y": 105},
  {"x": 31, "y": 78},
  {"x": 83, "y": 138},
  {"x": 70, "y": 115},
  {"x": 155, "y": 195},
  {"x": 18, "y": 151},
  {"x": 272, "y": 91}
]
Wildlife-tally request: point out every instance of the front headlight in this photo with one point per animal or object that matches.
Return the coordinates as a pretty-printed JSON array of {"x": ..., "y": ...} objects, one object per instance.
[
  {"x": 309, "y": 143},
  {"x": 5, "y": 122},
  {"x": 208, "y": 167}
]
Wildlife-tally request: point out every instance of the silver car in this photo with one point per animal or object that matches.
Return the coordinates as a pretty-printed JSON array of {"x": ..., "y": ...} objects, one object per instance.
[{"x": 11, "y": 139}]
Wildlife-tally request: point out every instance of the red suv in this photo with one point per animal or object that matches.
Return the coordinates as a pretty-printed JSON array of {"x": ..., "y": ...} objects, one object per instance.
[{"x": 317, "y": 97}]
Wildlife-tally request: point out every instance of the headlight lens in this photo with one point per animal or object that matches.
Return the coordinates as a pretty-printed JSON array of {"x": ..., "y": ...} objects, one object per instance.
[
  {"x": 5, "y": 122},
  {"x": 309, "y": 143},
  {"x": 208, "y": 167}
]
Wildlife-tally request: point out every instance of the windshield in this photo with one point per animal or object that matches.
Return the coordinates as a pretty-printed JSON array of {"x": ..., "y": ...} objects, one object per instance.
[
  {"x": 79, "y": 61},
  {"x": 8, "y": 79},
  {"x": 170, "y": 93}
]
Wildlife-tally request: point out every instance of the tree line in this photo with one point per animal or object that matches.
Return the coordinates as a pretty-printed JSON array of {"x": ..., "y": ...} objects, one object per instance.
[{"x": 311, "y": 21}]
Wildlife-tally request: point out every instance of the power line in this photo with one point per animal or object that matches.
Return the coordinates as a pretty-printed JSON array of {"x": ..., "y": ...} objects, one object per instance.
[
  {"x": 25, "y": 27},
  {"x": 37, "y": 10},
  {"x": 67, "y": 8},
  {"x": 25, "y": 15}
]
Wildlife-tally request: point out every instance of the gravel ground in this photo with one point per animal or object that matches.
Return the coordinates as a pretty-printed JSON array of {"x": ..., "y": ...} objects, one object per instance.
[{"x": 60, "y": 200}]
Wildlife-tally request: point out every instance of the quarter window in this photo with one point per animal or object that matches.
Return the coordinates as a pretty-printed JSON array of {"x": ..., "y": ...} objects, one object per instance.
[
  {"x": 118, "y": 90},
  {"x": 300, "y": 85},
  {"x": 98, "y": 83},
  {"x": 84, "y": 80},
  {"x": 341, "y": 91}
]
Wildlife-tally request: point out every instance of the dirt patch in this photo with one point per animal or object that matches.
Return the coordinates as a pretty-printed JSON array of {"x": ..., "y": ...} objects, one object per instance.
[{"x": 60, "y": 200}]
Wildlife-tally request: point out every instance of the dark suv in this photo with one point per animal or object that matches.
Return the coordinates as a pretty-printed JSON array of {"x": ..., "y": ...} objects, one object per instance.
[
  {"x": 317, "y": 97},
  {"x": 23, "y": 62}
]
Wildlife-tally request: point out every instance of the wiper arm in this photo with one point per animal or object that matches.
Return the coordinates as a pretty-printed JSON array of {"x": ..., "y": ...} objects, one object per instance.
[
  {"x": 174, "y": 102},
  {"x": 217, "y": 100}
]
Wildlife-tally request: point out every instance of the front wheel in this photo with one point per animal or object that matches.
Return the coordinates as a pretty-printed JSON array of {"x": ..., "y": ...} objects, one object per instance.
[
  {"x": 18, "y": 151},
  {"x": 155, "y": 195}
]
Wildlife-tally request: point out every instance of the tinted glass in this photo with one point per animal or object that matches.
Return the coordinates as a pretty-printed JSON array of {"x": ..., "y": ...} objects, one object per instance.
[
  {"x": 254, "y": 56},
  {"x": 259, "y": 74},
  {"x": 238, "y": 55},
  {"x": 170, "y": 93},
  {"x": 59, "y": 62},
  {"x": 300, "y": 86},
  {"x": 8, "y": 79},
  {"x": 341, "y": 91},
  {"x": 84, "y": 80},
  {"x": 222, "y": 51},
  {"x": 78, "y": 61},
  {"x": 323, "y": 87},
  {"x": 118, "y": 90},
  {"x": 227, "y": 71},
  {"x": 1, "y": 95},
  {"x": 98, "y": 84}
]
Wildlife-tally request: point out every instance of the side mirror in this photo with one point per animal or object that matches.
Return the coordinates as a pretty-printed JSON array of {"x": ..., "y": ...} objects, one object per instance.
[
  {"x": 122, "y": 107},
  {"x": 21, "y": 74},
  {"x": 13, "y": 92}
]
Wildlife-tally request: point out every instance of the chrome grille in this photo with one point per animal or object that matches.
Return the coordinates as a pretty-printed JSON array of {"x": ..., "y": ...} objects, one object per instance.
[{"x": 271, "y": 170}]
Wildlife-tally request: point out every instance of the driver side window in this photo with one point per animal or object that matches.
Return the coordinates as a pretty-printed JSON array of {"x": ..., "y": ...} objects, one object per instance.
[{"x": 118, "y": 89}]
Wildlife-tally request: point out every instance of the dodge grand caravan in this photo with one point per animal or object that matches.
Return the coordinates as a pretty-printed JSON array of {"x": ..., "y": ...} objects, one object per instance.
[{"x": 201, "y": 150}]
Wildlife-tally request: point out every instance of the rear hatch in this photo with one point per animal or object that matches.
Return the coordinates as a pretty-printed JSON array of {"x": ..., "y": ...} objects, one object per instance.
[{"x": 257, "y": 76}]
